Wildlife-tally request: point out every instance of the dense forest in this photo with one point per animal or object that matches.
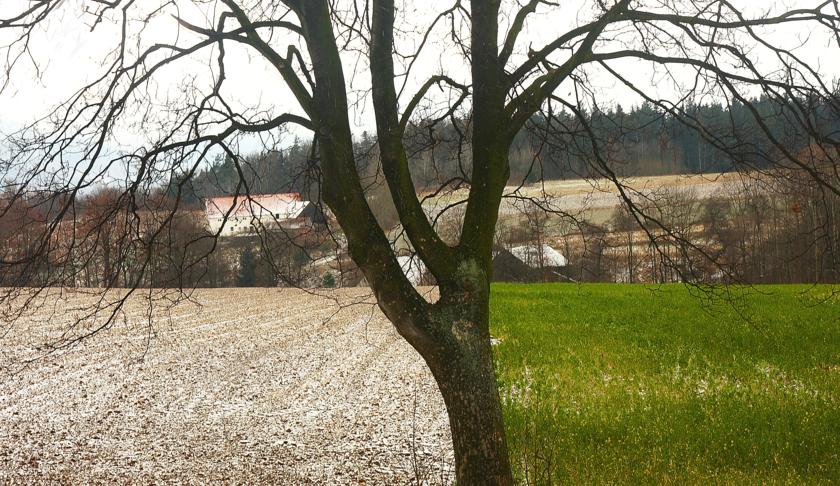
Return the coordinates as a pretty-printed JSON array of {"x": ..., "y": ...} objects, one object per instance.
[{"x": 643, "y": 141}]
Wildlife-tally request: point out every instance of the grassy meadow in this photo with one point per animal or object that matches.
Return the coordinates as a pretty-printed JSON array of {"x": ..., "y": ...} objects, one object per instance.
[{"x": 608, "y": 383}]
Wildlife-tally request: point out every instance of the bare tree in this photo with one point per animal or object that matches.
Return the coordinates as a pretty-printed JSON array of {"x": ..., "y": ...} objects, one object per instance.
[
  {"x": 624, "y": 224},
  {"x": 695, "y": 48},
  {"x": 534, "y": 226}
]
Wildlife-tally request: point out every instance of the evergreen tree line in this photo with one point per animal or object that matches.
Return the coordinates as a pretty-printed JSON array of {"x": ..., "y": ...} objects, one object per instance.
[{"x": 643, "y": 141}]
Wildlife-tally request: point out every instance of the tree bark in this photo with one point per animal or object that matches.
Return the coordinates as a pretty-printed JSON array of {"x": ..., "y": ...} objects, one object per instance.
[
  {"x": 475, "y": 418},
  {"x": 464, "y": 371},
  {"x": 452, "y": 335}
]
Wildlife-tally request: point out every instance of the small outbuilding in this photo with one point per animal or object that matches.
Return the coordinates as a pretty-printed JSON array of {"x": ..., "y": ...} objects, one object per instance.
[
  {"x": 413, "y": 268},
  {"x": 529, "y": 263}
]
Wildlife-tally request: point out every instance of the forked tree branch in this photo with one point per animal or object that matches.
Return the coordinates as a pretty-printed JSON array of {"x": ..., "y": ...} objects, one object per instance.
[{"x": 390, "y": 131}]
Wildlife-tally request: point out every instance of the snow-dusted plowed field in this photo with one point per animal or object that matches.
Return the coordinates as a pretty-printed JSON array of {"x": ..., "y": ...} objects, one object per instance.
[{"x": 250, "y": 386}]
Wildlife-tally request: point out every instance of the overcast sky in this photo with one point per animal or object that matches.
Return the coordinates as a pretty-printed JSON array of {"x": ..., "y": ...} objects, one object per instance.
[{"x": 68, "y": 54}]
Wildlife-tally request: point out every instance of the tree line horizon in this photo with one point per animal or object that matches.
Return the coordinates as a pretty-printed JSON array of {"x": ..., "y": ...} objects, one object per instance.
[{"x": 646, "y": 141}]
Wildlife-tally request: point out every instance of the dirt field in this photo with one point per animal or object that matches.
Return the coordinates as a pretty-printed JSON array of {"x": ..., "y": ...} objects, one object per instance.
[
  {"x": 249, "y": 386},
  {"x": 595, "y": 199}
]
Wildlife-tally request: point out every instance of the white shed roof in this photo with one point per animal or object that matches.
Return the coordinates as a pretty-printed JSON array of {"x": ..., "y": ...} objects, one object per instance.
[
  {"x": 530, "y": 255},
  {"x": 413, "y": 268}
]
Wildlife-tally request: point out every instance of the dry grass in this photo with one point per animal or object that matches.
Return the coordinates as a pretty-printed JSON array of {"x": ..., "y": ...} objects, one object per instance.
[{"x": 593, "y": 200}]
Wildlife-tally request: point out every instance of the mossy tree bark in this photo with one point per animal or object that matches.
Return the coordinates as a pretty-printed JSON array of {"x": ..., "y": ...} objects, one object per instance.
[{"x": 462, "y": 364}]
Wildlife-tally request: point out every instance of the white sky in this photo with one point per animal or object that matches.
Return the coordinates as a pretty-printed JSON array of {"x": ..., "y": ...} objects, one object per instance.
[{"x": 68, "y": 55}]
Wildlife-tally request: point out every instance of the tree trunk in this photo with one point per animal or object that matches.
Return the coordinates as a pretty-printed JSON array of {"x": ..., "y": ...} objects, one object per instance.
[{"x": 466, "y": 377}]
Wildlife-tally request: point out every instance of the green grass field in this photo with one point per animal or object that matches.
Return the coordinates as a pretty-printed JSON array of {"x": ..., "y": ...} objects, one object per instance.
[{"x": 634, "y": 384}]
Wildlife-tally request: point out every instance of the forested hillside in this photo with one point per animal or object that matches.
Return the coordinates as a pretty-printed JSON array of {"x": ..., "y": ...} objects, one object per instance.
[{"x": 643, "y": 141}]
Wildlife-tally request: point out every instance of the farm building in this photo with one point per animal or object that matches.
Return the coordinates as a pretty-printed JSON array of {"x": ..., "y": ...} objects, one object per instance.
[
  {"x": 231, "y": 216},
  {"x": 529, "y": 263},
  {"x": 413, "y": 268}
]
